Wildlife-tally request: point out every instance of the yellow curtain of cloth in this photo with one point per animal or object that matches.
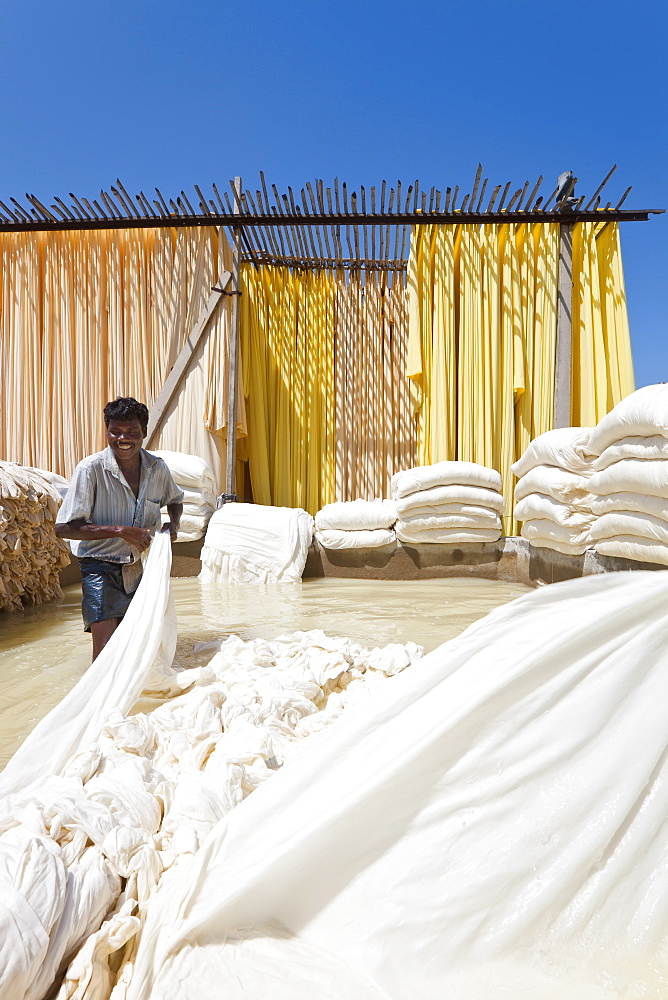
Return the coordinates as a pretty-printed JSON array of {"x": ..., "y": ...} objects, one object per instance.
[
  {"x": 482, "y": 337},
  {"x": 287, "y": 350},
  {"x": 481, "y": 342},
  {"x": 87, "y": 316},
  {"x": 602, "y": 371},
  {"x": 375, "y": 427}
]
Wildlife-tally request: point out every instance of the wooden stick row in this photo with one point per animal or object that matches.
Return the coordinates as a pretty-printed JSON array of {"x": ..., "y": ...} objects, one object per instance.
[{"x": 314, "y": 201}]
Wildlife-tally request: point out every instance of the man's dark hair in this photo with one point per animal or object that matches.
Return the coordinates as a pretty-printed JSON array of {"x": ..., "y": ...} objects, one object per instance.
[{"x": 126, "y": 408}]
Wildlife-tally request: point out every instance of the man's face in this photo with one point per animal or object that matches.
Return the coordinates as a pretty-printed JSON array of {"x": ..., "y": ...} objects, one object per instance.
[{"x": 125, "y": 438}]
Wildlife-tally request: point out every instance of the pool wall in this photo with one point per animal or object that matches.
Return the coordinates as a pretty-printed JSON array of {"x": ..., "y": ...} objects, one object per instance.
[{"x": 513, "y": 560}]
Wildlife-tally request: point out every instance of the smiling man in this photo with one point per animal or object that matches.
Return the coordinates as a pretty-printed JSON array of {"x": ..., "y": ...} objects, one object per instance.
[{"x": 111, "y": 510}]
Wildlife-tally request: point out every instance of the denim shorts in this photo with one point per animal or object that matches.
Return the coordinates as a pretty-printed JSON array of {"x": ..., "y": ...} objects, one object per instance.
[{"x": 102, "y": 593}]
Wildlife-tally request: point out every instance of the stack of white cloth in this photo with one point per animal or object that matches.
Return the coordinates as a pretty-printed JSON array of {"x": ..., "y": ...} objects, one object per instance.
[
  {"x": 196, "y": 479},
  {"x": 249, "y": 543},
  {"x": 552, "y": 496},
  {"x": 448, "y": 503},
  {"x": 630, "y": 478},
  {"x": 356, "y": 524}
]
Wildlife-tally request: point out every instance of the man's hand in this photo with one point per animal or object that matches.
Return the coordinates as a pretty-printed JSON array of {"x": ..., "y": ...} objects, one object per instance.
[
  {"x": 172, "y": 529},
  {"x": 139, "y": 538}
]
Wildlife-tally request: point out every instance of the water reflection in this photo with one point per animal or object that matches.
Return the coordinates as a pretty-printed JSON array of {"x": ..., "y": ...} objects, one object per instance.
[{"x": 44, "y": 651}]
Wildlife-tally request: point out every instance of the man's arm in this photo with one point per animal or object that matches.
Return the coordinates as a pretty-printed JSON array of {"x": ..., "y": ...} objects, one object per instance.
[
  {"x": 80, "y": 530},
  {"x": 174, "y": 510}
]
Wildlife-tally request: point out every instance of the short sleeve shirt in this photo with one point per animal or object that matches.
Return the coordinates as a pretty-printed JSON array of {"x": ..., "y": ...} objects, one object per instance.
[{"x": 99, "y": 494}]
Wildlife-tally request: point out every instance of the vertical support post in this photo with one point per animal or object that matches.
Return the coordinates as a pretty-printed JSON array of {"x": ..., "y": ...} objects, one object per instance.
[
  {"x": 230, "y": 475},
  {"x": 563, "y": 361}
]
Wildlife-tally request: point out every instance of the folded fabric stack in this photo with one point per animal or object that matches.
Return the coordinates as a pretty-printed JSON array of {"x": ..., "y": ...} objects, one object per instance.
[
  {"x": 248, "y": 543},
  {"x": 60, "y": 484},
  {"x": 552, "y": 496},
  {"x": 630, "y": 478},
  {"x": 448, "y": 503},
  {"x": 356, "y": 524},
  {"x": 30, "y": 553},
  {"x": 196, "y": 479}
]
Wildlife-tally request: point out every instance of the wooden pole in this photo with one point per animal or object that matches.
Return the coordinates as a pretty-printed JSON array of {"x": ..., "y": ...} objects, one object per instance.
[
  {"x": 182, "y": 363},
  {"x": 563, "y": 366},
  {"x": 230, "y": 476}
]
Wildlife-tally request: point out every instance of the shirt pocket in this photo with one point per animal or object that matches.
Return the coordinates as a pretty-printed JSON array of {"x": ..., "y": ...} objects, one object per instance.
[{"x": 151, "y": 514}]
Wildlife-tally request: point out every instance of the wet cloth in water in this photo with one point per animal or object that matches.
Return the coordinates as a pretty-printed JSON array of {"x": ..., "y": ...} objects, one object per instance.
[{"x": 103, "y": 590}]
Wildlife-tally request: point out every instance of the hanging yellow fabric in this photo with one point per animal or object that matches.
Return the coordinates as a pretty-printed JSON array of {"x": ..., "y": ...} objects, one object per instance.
[
  {"x": 287, "y": 349},
  {"x": 482, "y": 302},
  {"x": 328, "y": 408},
  {"x": 482, "y": 320},
  {"x": 602, "y": 363},
  {"x": 87, "y": 316}
]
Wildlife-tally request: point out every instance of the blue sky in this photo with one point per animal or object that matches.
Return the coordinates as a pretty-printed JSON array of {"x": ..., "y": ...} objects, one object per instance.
[{"x": 173, "y": 93}]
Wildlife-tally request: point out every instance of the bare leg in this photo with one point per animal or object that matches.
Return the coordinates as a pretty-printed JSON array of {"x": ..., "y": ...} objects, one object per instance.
[{"x": 102, "y": 633}]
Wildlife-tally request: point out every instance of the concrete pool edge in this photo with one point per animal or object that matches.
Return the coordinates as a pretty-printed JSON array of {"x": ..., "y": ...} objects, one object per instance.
[{"x": 511, "y": 559}]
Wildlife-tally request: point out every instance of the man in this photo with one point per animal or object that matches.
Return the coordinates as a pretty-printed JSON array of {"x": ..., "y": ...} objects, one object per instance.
[{"x": 111, "y": 510}]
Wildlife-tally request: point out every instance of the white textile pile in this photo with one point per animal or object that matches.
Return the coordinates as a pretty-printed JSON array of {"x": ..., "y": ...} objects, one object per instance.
[
  {"x": 466, "y": 834},
  {"x": 631, "y": 477},
  {"x": 552, "y": 495},
  {"x": 66, "y": 841},
  {"x": 192, "y": 475},
  {"x": 356, "y": 524},
  {"x": 30, "y": 553},
  {"x": 448, "y": 503},
  {"x": 88, "y": 834},
  {"x": 249, "y": 543}
]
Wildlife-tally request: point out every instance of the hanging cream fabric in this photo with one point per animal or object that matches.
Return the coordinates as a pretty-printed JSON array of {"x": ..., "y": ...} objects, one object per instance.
[
  {"x": 287, "y": 349},
  {"x": 86, "y": 316},
  {"x": 375, "y": 427},
  {"x": 482, "y": 336}
]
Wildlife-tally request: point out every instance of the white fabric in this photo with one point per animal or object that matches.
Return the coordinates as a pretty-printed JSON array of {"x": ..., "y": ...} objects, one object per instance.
[
  {"x": 426, "y": 500},
  {"x": 144, "y": 797},
  {"x": 115, "y": 680},
  {"x": 445, "y": 536},
  {"x": 192, "y": 527},
  {"x": 547, "y": 532},
  {"x": 248, "y": 543},
  {"x": 561, "y": 485},
  {"x": 333, "y": 538},
  {"x": 643, "y": 413},
  {"x": 461, "y": 519},
  {"x": 632, "y": 447},
  {"x": 537, "y": 506},
  {"x": 357, "y": 515},
  {"x": 564, "y": 447},
  {"x": 494, "y": 824},
  {"x": 633, "y": 547},
  {"x": 189, "y": 470},
  {"x": 566, "y": 548},
  {"x": 63, "y": 850},
  {"x": 424, "y": 477},
  {"x": 632, "y": 475},
  {"x": 656, "y": 506},
  {"x": 631, "y": 523}
]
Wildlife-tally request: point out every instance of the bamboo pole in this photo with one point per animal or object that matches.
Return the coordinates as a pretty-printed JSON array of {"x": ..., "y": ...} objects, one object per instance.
[{"x": 230, "y": 474}]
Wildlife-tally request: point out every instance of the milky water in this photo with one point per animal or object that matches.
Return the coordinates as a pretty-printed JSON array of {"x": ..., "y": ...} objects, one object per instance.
[{"x": 44, "y": 651}]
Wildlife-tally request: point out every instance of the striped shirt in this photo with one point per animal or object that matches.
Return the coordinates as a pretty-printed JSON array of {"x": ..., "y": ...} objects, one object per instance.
[{"x": 99, "y": 494}]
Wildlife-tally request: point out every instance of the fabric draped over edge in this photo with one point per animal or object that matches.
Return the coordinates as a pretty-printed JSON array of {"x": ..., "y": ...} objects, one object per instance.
[
  {"x": 482, "y": 308},
  {"x": 87, "y": 316}
]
